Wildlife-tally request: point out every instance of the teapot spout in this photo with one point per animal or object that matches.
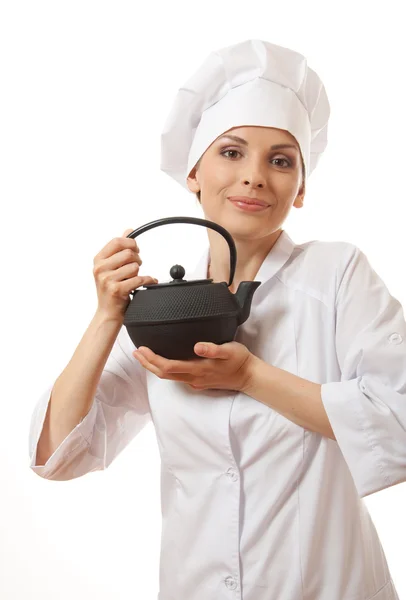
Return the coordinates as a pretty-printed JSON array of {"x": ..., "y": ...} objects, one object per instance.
[{"x": 244, "y": 296}]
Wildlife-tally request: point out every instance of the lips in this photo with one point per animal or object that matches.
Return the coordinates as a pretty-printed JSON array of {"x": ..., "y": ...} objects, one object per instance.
[{"x": 248, "y": 200}]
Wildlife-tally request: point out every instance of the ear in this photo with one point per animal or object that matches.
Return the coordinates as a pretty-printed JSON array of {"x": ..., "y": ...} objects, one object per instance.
[
  {"x": 299, "y": 200},
  {"x": 192, "y": 181}
]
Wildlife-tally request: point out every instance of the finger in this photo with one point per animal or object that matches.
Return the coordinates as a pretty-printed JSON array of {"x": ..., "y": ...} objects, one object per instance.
[
  {"x": 146, "y": 364},
  {"x": 167, "y": 365},
  {"x": 184, "y": 377},
  {"x": 210, "y": 350},
  {"x": 126, "y": 233}
]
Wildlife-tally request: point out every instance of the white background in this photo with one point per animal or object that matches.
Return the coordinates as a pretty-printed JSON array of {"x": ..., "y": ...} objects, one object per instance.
[{"x": 85, "y": 89}]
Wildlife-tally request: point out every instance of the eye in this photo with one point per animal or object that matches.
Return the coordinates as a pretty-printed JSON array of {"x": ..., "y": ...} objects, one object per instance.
[
  {"x": 284, "y": 160},
  {"x": 230, "y": 153}
]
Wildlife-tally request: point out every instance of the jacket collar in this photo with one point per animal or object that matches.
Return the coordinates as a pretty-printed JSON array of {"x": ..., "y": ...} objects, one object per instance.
[{"x": 274, "y": 261}]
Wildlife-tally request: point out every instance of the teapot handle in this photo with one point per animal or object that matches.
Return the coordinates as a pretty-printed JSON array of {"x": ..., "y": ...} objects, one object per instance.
[{"x": 194, "y": 221}]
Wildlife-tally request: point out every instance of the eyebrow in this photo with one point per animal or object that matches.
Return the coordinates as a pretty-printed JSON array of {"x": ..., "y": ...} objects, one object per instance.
[{"x": 245, "y": 143}]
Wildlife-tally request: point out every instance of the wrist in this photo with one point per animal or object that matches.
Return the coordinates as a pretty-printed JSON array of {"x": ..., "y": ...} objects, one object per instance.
[
  {"x": 252, "y": 368},
  {"x": 104, "y": 317}
]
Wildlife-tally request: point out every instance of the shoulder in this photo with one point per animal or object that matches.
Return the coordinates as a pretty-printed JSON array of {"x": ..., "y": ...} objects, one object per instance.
[
  {"x": 317, "y": 267},
  {"x": 326, "y": 255}
]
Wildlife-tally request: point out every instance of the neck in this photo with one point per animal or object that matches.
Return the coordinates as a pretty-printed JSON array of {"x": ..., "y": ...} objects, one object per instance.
[{"x": 250, "y": 256}]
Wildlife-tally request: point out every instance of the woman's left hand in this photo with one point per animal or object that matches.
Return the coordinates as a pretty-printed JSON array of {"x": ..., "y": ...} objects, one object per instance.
[{"x": 226, "y": 366}]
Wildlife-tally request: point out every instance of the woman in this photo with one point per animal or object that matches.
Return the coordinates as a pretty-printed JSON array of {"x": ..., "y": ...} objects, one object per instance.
[{"x": 269, "y": 444}]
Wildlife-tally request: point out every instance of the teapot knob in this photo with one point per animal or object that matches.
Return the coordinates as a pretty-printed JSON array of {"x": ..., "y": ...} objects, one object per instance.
[{"x": 177, "y": 272}]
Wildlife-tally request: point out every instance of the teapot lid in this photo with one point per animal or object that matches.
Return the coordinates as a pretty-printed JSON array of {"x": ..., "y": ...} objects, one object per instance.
[{"x": 178, "y": 272}]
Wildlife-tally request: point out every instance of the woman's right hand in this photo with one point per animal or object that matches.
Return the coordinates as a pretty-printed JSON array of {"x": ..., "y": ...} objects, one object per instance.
[{"x": 116, "y": 274}]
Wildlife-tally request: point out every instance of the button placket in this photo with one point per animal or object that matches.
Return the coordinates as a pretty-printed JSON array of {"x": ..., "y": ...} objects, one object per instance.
[{"x": 231, "y": 582}]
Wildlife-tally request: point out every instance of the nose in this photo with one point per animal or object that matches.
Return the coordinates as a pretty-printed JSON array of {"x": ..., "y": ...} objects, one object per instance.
[
  {"x": 253, "y": 176},
  {"x": 254, "y": 185}
]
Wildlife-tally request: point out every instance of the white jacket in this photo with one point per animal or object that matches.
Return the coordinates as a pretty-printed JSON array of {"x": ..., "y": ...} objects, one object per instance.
[{"x": 254, "y": 506}]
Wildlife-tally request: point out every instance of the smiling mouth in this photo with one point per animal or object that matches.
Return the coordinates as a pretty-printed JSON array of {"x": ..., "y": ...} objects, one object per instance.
[{"x": 247, "y": 200}]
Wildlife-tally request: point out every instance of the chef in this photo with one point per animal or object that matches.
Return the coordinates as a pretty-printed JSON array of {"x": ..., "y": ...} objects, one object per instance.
[{"x": 268, "y": 445}]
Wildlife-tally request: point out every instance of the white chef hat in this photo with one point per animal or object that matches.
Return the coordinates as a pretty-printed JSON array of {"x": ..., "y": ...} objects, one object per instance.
[{"x": 251, "y": 83}]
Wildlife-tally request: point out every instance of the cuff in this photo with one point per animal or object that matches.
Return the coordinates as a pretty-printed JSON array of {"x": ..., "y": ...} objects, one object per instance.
[{"x": 344, "y": 403}]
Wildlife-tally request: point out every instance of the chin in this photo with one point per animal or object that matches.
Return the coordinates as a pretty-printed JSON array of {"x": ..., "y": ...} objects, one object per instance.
[
  {"x": 245, "y": 230},
  {"x": 244, "y": 226}
]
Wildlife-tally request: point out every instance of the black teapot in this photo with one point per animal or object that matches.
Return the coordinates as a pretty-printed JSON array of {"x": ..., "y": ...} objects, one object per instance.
[{"x": 170, "y": 318}]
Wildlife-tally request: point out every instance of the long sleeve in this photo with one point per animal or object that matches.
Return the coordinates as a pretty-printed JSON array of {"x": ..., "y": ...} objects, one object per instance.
[
  {"x": 120, "y": 410},
  {"x": 367, "y": 408}
]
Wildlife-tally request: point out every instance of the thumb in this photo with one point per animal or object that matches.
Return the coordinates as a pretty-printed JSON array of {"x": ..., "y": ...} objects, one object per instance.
[
  {"x": 210, "y": 350},
  {"x": 125, "y": 234}
]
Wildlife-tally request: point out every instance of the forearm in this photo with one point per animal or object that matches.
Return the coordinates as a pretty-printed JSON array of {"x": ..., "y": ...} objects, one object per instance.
[
  {"x": 73, "y": 392},
  {"x": 297, "y": 399}
]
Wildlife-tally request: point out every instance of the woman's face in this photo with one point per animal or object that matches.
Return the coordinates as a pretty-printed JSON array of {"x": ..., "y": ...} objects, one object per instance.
[{"x": 250, "y": 162}]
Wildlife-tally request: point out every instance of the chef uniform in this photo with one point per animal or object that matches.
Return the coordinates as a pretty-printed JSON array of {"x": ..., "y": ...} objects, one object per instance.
[{"x": 255, "y": 507}]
